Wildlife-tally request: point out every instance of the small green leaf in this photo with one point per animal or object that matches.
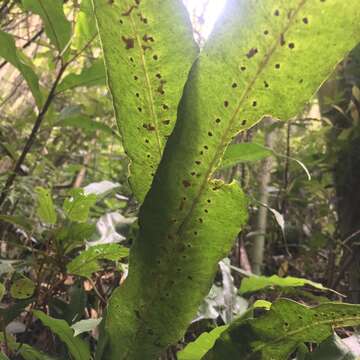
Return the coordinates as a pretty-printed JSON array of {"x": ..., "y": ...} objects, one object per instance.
[
  {"x": 198, "y": 348},
  {"x": 332, "y": 349},
  {"x": 281, "y": 330},
  {"x": 93, "y": 75},
  {"x": 26, "y": 351},
  {"x": 57, "y": 27},
  {"x": 77, "y": 206},
  {"x": 2, "y": 291},
  {"x": 262, "y": 304},
  {"x": 87, "y": 124},
  {"x": 74, "y": 234},
  {"x": 85, "y": 326},
  {"x": 85, "y": 26},
  {"x": 78, "y": 348},
  {"x": 17, "y": 220},
  {"x": 45, "y": 206},
  {"x": 22, "y": 288},
  {"x": 88, "y": 261},
  {"x": 256, "y": 283},
  {"x": 244, "y": 152},
  {"x": 16, "y": 58}
]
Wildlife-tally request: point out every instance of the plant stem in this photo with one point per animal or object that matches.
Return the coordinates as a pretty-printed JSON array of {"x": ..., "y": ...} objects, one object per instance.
[{"x": 29, "y": 143}]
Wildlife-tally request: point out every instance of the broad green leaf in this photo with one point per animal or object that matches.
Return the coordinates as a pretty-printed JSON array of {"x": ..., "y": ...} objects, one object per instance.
[
  {"x": 75, "y": 234},
  {"x": 57, "y": 27},
  {"x": 22, "y": 288},
  {"x": 30, "y": 353},
  {"x": 84, "y": 122},
  {"x": 332, "y": 349},
  {"x": 26, "y": 351},
  {"x": 94, "y": 75},
  {"x": 264, "y": 57},
  {"x": 77, "y": 206},
  {"x": 17, "y": 220},
  {"x": 2, "y": 291},
  {"x": 78, "y": 348},
  {"x": 256, "y": 283},
  {"x": 148, "y": 49},
  {"x": 244, "y": 152},
  {"x": 85, "y": 26},
  {"x": 15, "y": 57},
  {"x": 88, "y": 261},
  {"x": 45, "y": 206},
  {"x": 279, "y": 332},
  {"x": 85, "y": 326},
  {"x": 198, "y": 348}
]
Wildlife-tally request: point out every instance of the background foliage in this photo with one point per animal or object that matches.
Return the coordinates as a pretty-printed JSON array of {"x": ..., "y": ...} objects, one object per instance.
[{"x": 68, "y": 215}]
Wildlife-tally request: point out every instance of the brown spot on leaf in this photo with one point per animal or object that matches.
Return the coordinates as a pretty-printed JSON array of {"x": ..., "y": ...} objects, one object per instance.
[
  {"x": 282, "y": 40},
  {"x": 149, "y": 127},
  {"x": 148, "y": 38},
  {"x": 129, "y": 42},
  {"x": 146, "y": 47},
  {"x": 252, "y": 52},
  {"x": 128, "y": 12}
]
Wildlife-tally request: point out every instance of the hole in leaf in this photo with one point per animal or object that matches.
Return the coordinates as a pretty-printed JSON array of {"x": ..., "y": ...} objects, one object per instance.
[
  {"x": 277, "y": 66},
  {"x": 305, "y": 20},
  {"x": 291, "y": 45},
  {"x": 276, "y": 12},
  {"x": 234, "y": 85},
  {"x": 210, "y": 133}
]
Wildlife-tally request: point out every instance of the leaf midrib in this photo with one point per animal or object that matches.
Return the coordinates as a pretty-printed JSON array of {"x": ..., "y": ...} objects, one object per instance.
[
  {"x": 221, "y": 145},
  {"x": 148, "y": 86}
]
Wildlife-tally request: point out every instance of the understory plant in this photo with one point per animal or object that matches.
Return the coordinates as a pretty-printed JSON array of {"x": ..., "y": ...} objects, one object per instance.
[
  {"x": 263, "y": 58},
  {"x": 178, "y": 108}
]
